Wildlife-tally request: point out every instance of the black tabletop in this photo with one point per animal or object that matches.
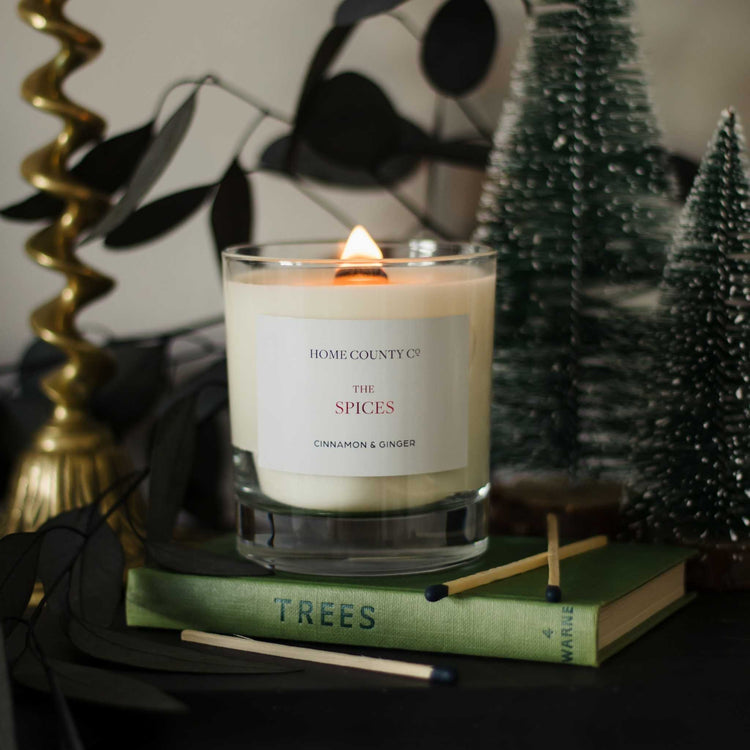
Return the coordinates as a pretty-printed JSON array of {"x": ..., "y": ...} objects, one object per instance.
[{"x": 685, "y": 684}]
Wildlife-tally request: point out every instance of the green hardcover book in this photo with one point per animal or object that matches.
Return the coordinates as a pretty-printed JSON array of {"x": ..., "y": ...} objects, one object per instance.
[{"x": 610, "y": 596}]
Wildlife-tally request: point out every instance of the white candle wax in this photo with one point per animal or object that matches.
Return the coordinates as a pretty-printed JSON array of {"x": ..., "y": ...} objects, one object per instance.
[{"x": 434, "y": 291}]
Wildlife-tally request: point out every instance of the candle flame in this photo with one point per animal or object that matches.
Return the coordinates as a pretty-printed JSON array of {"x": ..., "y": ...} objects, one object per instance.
[{"x": 360, "y": 246}]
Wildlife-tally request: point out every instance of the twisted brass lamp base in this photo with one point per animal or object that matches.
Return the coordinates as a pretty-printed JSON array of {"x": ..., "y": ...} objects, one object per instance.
[
  {"x": 71, "y": 464},
  {"x": 73, "y": 459}
]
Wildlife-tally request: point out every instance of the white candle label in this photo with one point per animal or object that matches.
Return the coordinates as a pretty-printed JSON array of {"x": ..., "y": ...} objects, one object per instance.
[{"x": 369, "y": 398}]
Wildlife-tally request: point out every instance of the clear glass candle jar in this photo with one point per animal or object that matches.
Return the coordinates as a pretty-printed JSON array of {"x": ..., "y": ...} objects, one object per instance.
[{"x": 359, "y": 393}]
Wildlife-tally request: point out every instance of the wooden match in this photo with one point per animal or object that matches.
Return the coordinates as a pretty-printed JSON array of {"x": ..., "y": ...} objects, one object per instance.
[
  {"x": 318, "y": 656},
  {"x": 553, "y": 592},
  {"x": 440, "y": 590}
]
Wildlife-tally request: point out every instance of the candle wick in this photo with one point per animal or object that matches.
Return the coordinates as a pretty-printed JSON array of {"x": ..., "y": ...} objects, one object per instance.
[{"x": 360, "y": 275}]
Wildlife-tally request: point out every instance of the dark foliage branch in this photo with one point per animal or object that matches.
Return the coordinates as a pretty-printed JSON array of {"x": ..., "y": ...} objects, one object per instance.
[
  {"x": 370, "y": 145},
  {"x": 39, "y": 358},
  {"x": 152, "y": 163},
  {"x": 52, "y": 555},
  {"x": 379, "y": 149},
  {"x": 79, "y": 559}
]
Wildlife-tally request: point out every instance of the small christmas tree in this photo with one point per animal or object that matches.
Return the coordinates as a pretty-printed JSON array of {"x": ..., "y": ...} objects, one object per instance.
[
  {"x": 693, "y": 462},
  {"x": 578, "y": 204}
]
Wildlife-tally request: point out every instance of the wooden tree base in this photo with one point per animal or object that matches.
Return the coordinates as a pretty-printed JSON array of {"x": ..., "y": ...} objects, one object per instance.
[
  {"x": 721, "y": 566},
  {"x": 519, "y": 506}
]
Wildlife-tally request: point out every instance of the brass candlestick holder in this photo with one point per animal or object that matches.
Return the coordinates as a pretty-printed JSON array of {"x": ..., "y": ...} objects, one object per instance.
[{"x": 73, "y": 459}]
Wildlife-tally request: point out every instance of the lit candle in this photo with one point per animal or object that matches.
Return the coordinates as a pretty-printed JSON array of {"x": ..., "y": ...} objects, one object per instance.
[{"x": 360, "y": 385}]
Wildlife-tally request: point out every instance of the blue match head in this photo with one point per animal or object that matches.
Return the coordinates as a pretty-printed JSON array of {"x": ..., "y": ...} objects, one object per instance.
[
  {"x": 443, "y": 675},
  {"x": 436, "y": 592},
  {"x": 553, "y": 594}
]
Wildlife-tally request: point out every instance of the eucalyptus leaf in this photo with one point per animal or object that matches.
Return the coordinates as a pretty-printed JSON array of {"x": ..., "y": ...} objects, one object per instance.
[
  {"x": 313, "y": 166},
  {"x": 351, "y": 121},
  {"x": 20, "y": 417},
  {"x": 413, "y": 146},
  {"x": 202, "y": 500},
  {"x": 39, "y": 357},
  {"x": 157, "y": 218},
  {"x": 155, "y": 159},
  {"x": 231, "y": 212},
  {"x": 171, "y": 456},
  {"x": 326, "y": 52},
  {"x": 16, "y": 640},
  {"x": 201, "y": 562},
  {"x": 458, "y": 152},
  {"x": 353, "y": 11},
  {"x": 36, "y": 207},
  {"x": 159, "y": 651},
  {"x": 415, "y": 141},
  {"x": 141, "y": 378},
  {"x": 81, "y": 563},
  {"x": 97, "y": 578},
  {"x": 19, "y": 557},
  {"x": 210, "y": 388},
  {"x": 109, "y": 165},
  {"x": 7, "y": 721},
  {"x": 96, "y": 686},
  {"x": 459, "y": 46},
  {"x": 212, "y": 400},
  {"x": 685, "y": 169},
  {"x": 63, "y": 539},
  {"x": 106, "y": 167}
]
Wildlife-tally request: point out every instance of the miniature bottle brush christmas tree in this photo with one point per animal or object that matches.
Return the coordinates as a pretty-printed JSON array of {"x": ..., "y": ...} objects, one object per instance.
[
  {"x": 693, "y": 483},
  {"x": 578, "y": 203}
]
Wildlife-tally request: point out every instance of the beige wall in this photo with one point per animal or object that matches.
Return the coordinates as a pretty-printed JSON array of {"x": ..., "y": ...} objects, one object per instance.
[{"x": 697, "y": 54}]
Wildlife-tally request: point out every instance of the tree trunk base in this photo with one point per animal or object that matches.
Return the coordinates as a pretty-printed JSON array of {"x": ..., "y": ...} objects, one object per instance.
[
  {"x": 519, "y": 506},
  {"x": 719, "y": 566}
]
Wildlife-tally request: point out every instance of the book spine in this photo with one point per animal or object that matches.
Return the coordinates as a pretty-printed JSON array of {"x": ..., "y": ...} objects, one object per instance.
[{"x": 383, "y": 618}]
